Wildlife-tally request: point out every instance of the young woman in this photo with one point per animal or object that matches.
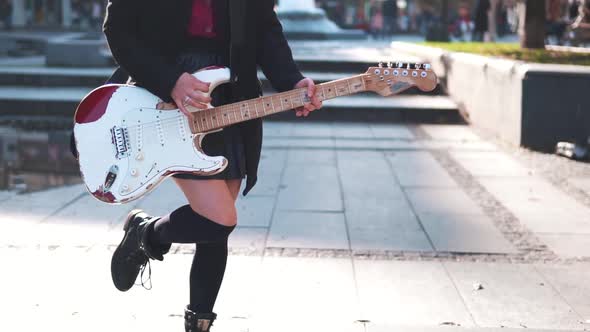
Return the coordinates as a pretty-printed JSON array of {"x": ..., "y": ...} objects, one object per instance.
[{"x": 160, "y": 43}]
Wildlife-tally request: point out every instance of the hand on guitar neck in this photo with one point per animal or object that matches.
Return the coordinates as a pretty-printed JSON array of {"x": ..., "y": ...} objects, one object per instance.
[{"x": 315, "y": 101}]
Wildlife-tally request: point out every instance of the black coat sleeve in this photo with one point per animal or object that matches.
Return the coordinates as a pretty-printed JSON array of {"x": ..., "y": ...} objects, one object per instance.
[
  {"x": 273, "y": 53},
  {"x": 148, "y": 68}
]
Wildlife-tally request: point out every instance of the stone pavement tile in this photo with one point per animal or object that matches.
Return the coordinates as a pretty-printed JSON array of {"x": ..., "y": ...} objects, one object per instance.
[
  {"x": 308, "y": 230},
  {"x": 310, "y": 188},
  {"x": 377, "y": 144},
  {"x": 367, "y": 174},
  {"x": 391, "y": 131},
  {"x": 388, "y": 328},
  {"x": 439, "y": 201},
  {"x": 255, "y": 211},
  {"x": 277, "y": 128},
  {"x": 298, "y": 142},
  {"x": 34, "y": 207},
  {"x": 250, "y": 239},
  {"x": 268, "y": 184},
  {"x": 382, "y": 223},
  {"x": 6, "y": 194},
  {"x": 450, "y": 132},
  {"x": 459, "y": 145},
  {"x": 166, "y": 198},
  {"x": 417, "y": 169},
  {"x": 90, "y": 211},
  {"x": 570, "y": 281},
  {"x": 539, "y": 205},
  {"x": 352, "y": 130},
  {"x": 466, "y": 234},
  {"x": 582, "y": 183},
  {"x": 513, "y": 295},
  {"x": 567, "y": 245},
  {"x": 272, "y": 161},
  {"x": 312, "y": 129},
  {"x": 489, "y": 163},
  {"x": 307, "y": 291},
  {"x": 408, "y": 293},
  {"x": 310, "y": 158}
]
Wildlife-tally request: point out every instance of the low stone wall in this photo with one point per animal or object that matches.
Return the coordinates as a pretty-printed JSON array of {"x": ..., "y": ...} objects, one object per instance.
[
  {"x": 531, "y": 105},
  {"x": 74, "y": 52}
]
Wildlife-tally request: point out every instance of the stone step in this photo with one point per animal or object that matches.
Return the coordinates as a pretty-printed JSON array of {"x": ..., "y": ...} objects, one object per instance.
[
  {"x": 93, "y": 77},
  {"x": 62, "y": 101}
]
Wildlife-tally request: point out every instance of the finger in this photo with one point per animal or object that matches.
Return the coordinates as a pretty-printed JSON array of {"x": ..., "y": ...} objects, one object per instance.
[
  {"x": 184, "y": 110},
  {"x": 200, "y": 85},
  {"x": 298, "y": 113},
  {"x": 306, "y": 113},
  {"x": 199, "y": 97},
  {"x": 317, "y": 103},
  {"x": 197, "y": 104},
  {"x": 310, "y": 89}
]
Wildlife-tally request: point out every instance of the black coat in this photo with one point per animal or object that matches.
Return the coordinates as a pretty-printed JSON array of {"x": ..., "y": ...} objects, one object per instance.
[{"x": 145, "y": 37}]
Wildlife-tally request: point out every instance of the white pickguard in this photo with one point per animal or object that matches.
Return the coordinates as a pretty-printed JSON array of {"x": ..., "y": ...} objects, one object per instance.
[{"x": 158, "y": 143}]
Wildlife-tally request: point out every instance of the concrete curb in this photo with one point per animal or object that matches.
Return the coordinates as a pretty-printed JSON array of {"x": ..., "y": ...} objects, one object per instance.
[{"x": 527, "y": 104}]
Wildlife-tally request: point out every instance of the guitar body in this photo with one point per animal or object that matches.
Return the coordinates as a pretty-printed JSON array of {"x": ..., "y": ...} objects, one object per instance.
[{"x": 127, "y": 146}]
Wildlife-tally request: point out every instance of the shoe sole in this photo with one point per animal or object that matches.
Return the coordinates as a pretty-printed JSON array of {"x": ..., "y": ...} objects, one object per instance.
[{"x": 130, "y": 217}]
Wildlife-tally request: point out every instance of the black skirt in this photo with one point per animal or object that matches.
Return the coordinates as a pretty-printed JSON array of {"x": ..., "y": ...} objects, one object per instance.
[{"x": 228, "y": 142}]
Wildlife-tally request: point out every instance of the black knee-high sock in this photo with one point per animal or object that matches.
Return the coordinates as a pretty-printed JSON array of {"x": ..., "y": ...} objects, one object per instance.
[
  {"x": 184, "y": 225},
  {"x": 206, "y": 275}
]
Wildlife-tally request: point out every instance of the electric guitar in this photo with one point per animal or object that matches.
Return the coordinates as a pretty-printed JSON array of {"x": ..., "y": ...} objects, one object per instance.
[{"x": 127, "y": 144}]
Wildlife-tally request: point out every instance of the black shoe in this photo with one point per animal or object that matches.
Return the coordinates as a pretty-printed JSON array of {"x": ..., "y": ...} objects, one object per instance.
[
  {"x": 133, "y": 253},
  {"x": 198, "y": 322}
]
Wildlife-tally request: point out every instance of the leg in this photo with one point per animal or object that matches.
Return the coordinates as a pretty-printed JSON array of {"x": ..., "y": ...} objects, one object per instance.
[
  {"x": 208, "y": 199},
  {"x": 208, "y": 267}
]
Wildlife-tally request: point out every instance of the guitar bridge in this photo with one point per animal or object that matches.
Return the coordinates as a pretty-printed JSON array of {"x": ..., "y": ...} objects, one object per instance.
[{"x": 121, "y": 142}]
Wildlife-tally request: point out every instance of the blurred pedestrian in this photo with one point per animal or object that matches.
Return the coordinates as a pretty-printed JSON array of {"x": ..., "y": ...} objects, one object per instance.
[
  {"x": 481, "y": 25},
  {"x": 390, "y": 14},
  {"x": 377, "y": 23},
  {"x": 463, "y": 26},
  {"x": 580, "y": 30},
  {"x": 555, "y": 23}
]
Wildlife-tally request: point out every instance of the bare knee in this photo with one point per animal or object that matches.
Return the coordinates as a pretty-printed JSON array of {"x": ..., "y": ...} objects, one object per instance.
[{"x": 226, "y": 216}]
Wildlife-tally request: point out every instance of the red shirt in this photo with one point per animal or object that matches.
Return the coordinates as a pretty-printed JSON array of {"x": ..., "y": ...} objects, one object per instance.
[{"x": 202, "y": 23}]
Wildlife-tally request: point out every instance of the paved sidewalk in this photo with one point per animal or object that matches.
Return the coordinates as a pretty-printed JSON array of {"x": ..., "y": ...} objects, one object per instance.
[{"x": 352, "y": 227}]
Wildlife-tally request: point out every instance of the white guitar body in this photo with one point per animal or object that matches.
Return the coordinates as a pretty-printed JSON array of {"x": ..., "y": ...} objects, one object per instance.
[{"x": 146, "y": 144}]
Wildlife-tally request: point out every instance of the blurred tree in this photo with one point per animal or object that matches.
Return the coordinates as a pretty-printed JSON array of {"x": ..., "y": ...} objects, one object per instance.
[{"x": 532, "y": 27}]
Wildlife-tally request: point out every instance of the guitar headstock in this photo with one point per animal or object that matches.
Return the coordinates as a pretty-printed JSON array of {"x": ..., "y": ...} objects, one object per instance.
[{"x": 396, "y": 77}]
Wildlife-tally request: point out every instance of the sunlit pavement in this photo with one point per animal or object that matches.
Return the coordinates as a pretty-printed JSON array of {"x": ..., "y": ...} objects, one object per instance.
[{"x": 352, "y": 227}]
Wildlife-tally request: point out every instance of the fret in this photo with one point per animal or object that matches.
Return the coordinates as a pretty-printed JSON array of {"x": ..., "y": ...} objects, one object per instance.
[
  {"x": 196, "y": 123},
  {"x": 342, "y": 90},
  {"x": 336, "y": 89},
  {"x": 256, "y": 108},
  {"x": 349, "y": 87},
  {"x": 323, "y": 92},
  {"x": 272, "y": 104}
]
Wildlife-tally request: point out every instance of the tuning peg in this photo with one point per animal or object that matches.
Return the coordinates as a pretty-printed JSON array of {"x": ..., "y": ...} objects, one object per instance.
[
  {"x": 380, "y": 64},
  {"x": 390, "y": 64},
  {"x": 418, "y": 66},
  {"x": 427, "y": 66}
]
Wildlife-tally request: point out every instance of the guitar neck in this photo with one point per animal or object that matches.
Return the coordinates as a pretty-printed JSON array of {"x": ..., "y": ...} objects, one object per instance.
[{"x": 226, "y": 115}]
